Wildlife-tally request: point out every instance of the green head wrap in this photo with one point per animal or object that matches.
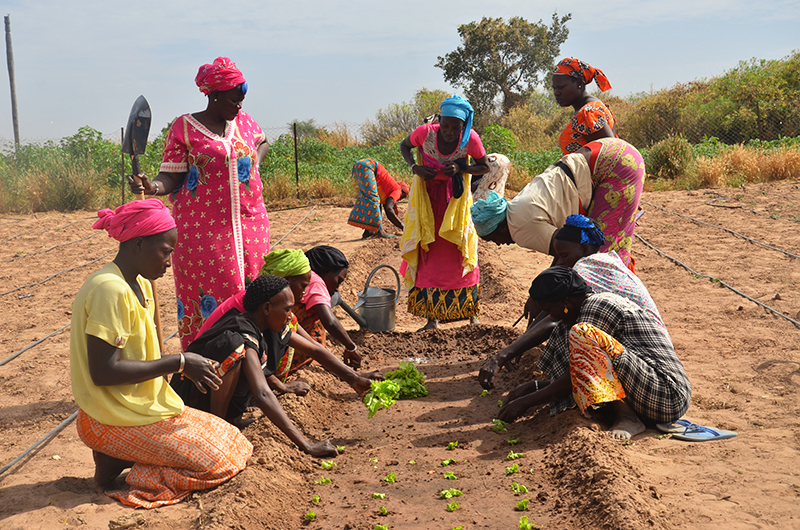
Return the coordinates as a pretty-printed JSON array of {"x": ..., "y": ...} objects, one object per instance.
[
  {"x": 488, "y": 213},
  {"x": 286, "y": 263}
]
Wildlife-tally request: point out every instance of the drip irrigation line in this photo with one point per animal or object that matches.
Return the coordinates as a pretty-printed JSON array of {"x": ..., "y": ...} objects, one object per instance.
[
  {"x": 29, "y": 346},
  {"x": 740, "y": 207},
  {"x": 717, "y": 280},
  {"x": 773, "y": 194},
  {"x": 298, "y": 224},
  {"x": 41, "y": 441},
  {"x": 48, "y": 230},
  {"x": 51, "y": 248},
  {"x": 291, "y": 208},
  {"x": 750, "y": 239},
  {"x": 56, "y": 274}
]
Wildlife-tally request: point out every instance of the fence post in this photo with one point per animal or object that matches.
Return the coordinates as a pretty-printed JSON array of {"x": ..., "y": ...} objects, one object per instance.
[
  {"x": 296, "y": 164},
  {"x": 12, "y": 82},
  {"x": 122, "y": 155}
]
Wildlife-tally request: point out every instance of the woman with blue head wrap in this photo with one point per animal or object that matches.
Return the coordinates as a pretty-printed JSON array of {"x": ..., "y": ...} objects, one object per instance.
[
  {"x": 439, "y": 243},
  {"x": 576, "y": 245}
]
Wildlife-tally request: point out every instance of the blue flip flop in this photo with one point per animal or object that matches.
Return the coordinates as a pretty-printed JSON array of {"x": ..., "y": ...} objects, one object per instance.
[
  {"x": 672, "y": 428},
  {"x": 698, "y": 433}
]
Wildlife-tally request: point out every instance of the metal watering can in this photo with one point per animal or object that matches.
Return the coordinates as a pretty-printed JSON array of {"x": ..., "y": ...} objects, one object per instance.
[{"x": 377, "y": 305}]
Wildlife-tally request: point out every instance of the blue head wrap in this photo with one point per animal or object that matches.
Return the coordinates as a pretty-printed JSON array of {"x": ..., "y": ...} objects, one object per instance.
[
  {"x": 581, "y": 229},
  {"x": 458, "y": 107},
  {"x": 488, "y": 213}
]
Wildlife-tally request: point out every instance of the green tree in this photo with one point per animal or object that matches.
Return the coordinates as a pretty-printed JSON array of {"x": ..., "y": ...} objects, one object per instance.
[
  {"x": 396, "y": 121},
  {"x": 503, "y": 58},
  {"x": 306, "y": 128}
]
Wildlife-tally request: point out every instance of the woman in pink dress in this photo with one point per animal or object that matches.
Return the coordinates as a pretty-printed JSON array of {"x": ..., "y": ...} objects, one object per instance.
[
  {"x": 439, "y": 244},
  {"x": 210, "y": 172}
]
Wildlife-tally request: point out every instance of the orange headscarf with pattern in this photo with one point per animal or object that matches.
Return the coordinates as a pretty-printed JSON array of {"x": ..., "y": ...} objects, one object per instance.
[{"x": 583, "y": 71}]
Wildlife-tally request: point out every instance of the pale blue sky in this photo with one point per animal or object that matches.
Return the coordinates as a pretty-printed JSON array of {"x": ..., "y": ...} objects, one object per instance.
[{"x": 84, "y": 62}]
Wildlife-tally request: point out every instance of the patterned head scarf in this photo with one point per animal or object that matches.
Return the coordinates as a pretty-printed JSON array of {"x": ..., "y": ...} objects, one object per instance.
[
  {"x": 135, "y": 219},
  {"x": 458, "y": 107},
  {"x": 488, "y": 213},
  {"x": 403, "y": 186},
  {"x": 285, "y": 263},
  {"x": 324, "y": 259},
  {"x": 583, "y": 72},
  {"x": 220, "y": 75},
  {"x": 581, "y": 229},
  {"x": 557, "y": 283}
]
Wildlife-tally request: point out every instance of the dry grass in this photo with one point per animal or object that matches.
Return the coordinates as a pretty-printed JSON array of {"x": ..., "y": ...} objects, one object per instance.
[{"x": 740, "y": 164}]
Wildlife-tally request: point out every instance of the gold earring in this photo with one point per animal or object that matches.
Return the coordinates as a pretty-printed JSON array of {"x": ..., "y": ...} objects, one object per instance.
[
  {"x": 215, "y": 99},
  {"x": 566, "y": 310}
]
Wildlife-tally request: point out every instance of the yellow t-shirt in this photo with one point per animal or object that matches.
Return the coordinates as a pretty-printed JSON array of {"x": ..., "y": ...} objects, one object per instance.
[{"x": 107, "y": 308}]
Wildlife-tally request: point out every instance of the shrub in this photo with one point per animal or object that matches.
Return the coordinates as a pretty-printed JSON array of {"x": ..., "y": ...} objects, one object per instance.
[
  {"x": 498, "y": 139},
  {"x": 670, "y": 157}
]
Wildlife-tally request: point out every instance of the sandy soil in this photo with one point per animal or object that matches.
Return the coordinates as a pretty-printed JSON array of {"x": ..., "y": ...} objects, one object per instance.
[{"x": 743, "y": 361}]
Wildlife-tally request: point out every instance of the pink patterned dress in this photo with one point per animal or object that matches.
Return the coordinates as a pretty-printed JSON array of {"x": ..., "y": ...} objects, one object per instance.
[{"x": 223, "y": 228}]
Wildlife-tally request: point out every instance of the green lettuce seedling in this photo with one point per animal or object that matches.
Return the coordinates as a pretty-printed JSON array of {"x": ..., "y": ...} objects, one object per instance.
[
  {"x": 383, "y": 510},
  {"x": 378, "y": 495},
  {"x": 448, "y": 461},
  {"x": 340, "y": 448},
  {"x": 460, "y": 527},
  {"x": 523, "y": 505},
  {"x": 499, "y": 425},
  {"x": 410, "y": 380},
  {"x": 412, "y": 462},
  {"x": 449, "y": 475},
  {"x": 327, "y": 465},
  {"x": 452, "y": 506},
  {"x": 390, "y": 477},
  {"x": 513, "y": 469},
  {"x": 516, "y": 487},
  {"x": 315, "y": 498},
  {"x": 499, "y": 403},
  {"x": 512, "y": 442},
  {"x": 381, "y": 395},
  {"x": 450, "y": 493},
  {"x": 513, "y": 456},
  {"x": 452, "y": 445},
  {"x": 310, "y": 516},
  {"x": 323, "y": 480},
  {"x": 486, "y": 393},
  {"x": 380, "y": 527},
  {"x": 524, "y": 524}
]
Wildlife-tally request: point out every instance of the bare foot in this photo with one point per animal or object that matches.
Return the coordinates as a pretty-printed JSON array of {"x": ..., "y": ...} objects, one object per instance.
[
  {"x": 432, "y": 324},
  {"x": 106, "y": 469},
  {"x": 241, "y": 423},
  {"x": 626, "y": 423}
]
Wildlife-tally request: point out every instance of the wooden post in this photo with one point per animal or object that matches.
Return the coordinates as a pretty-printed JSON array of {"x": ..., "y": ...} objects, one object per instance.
[
  {"x": 122, "y": 172},
  {"x": 11, "y": 80},
  {"x": 296, "y": 163}
]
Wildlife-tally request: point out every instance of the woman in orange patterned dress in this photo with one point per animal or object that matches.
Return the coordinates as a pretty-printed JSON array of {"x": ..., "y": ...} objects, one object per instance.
[{"x": 593, "y": 119}]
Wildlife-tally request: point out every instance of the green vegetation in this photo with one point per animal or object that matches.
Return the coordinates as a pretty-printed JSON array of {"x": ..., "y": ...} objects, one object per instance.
[
  {"x": 515, "y": 441},
  {"x": 323, "y": 480},
  {"x": 513, "y": 469},
  {"x": 450, "y": 493},
  {"x": 523, "y": 505},
  {"x": 524, "y": 524},
  {"x": 449, "y": 475},
  {"x": 448, "y": 461},
  {"x": 315, "y": 498},
  {"x": 391, "y": 478},
  {"x": 452, "y": 506},
  {"x": 378, "y": 495},
  {"x": 327, "y": 465},
  {"x": 310, "y": 516},
  {"x": 452, "y": 445},
  {"x": 513, "y": 456},
  {"x": 741, "y": 126},
  {"x": 516, "y": 487}
]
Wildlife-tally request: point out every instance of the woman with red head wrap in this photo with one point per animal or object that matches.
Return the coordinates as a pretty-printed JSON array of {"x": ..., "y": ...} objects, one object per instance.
[
  {"x": 593, "y": 119},
  {"x": 210, "y": 172}
]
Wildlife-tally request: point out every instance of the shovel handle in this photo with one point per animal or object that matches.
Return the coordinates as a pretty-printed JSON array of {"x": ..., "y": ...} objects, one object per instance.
[{"x": 136, "y": 170}]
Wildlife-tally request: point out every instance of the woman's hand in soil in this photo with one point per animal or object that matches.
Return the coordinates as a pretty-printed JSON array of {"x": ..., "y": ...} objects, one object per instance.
[
  {"x": 352, "y": 359},
  {"x": 322, "y": 449},
  {"x": 513, "y": 410},
  {"x": 201, "y": 371},
  {"x": 361, "y": 385},
  {"x": 522, "y": 390},
  {"x": 488, "y": 372},
  {"x": 372, "y": 376},
  {"x": 298, "y": 388}
]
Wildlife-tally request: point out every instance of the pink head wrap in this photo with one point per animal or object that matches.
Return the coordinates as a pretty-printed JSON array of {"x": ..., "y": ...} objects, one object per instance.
[
  {"x": 221, "y": 75},
  {"x": 135, "y": 219}
]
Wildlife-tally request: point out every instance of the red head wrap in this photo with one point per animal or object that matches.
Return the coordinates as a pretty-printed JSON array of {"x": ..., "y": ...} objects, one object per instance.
[
  {"x": 403, "y": 186},
  {"x": 221, "y": 75},
  {"x": 582, "y": 71},
  {"x": 135, "y": 219}
]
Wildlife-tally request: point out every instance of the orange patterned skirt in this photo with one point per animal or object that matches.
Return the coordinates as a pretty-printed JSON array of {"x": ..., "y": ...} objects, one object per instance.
[
  {"x": 174, "y": 457},
  {"x": 594, "y": 381}
]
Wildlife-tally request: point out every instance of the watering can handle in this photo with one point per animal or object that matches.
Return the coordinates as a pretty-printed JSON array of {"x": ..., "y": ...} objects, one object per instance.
[{"x": 397, "y": 277}]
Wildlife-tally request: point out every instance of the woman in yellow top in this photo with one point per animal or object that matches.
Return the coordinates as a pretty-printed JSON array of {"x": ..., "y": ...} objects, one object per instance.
[
  {"x": 593, "y": 119},
  {"x": 129, "y": 415}
]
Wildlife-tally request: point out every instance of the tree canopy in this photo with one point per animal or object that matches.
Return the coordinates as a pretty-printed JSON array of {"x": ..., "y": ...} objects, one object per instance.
[{"x": 505, "y": 58}]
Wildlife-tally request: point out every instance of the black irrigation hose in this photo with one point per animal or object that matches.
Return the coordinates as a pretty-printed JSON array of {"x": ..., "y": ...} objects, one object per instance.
[
  {"x": 55, "y": 431},
  {"x": 29, "y": 346},
  {"x": 725, "y": 229},
  {"x": 773, "y": 194},
  {"x": 56, "y": 274},
  {"x": 740, "y": 207},
  {"x": 48, "y": 230},
  {"x": 699, "y": 275},
  {"x": 51, "y": 248},
  {"x": 298, "y": 224}
]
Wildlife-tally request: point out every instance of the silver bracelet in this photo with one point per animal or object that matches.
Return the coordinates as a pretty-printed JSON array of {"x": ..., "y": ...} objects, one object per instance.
[
  {"x": 353, "y": 350},
  {"x": 155, "y": 185},
  {"x": 537, "y": 385},
  {"x": 183, "y": 361}
]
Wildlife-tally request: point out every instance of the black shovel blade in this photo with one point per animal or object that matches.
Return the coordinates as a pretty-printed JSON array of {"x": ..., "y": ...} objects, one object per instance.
[{"x": 138, "y": 128}]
